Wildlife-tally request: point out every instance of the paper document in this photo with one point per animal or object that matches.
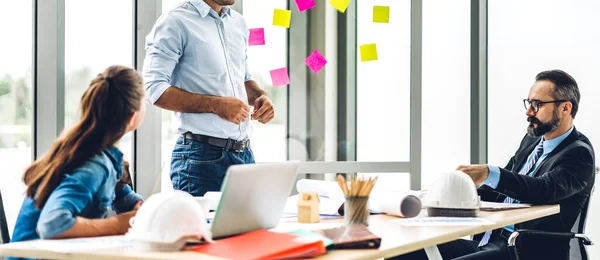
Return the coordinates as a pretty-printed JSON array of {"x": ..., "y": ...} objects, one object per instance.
[
  {"x": 495, "y": 206},
  {"x": 327, "y": 189},
  {"x": 83, "y": 244},
  {"x": 441, "y": 221}
]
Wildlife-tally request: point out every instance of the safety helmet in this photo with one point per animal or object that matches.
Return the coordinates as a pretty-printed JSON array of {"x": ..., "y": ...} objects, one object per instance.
[
  {"x": 166, "y": 220},
  {"x": 452, "y": 194}
]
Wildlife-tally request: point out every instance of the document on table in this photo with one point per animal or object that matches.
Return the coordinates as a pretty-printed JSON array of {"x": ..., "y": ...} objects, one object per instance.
[
  {"x": 495, "y": 206},
  {"x": 442, "y": 221},
  {"x": 83, "y": 244}
]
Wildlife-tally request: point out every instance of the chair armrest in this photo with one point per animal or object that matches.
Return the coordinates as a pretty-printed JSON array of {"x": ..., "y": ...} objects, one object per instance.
[{"x": 528, "y": 232}]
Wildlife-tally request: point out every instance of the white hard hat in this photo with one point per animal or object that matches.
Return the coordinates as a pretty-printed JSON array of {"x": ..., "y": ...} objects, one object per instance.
[
  {"x": 166, "y": 220},
  {"x": 452, "y": 194}
]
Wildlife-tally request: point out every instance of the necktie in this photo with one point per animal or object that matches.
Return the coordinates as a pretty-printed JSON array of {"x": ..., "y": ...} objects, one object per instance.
[{"x": 537, "y": 153}]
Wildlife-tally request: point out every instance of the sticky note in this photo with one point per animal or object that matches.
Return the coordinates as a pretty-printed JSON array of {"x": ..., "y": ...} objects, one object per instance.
[
  {"x": 304, "y": 5},
  {"x": 315, "y": 61},
  {"x": 257, "y": 37},
  {"x": 341, "y": 5},
  {"x": 280, "y": 77},
  {"x": 282, "y": 18},
  {"x": 368, "y": 52},
  {"x": 381, "y": 14}
]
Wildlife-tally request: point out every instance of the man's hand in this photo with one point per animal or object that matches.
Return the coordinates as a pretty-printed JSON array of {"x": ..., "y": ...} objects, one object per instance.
[
  {"x": 232, "y": 110},
  {"x": 264, "y": 111},
  {"x": 477, "y": 172}
]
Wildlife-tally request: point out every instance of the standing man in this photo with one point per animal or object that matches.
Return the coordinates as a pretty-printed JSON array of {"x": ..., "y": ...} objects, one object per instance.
[
  {"x": 196, "y": 66},
  {"x": 553, "y": 165}
]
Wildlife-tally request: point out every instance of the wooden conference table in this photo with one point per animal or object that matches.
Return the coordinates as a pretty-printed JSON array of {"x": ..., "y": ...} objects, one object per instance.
[{"x": 397, "y": 239}]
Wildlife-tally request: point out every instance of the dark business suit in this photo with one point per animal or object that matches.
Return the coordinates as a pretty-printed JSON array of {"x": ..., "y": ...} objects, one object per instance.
[{"x": 565, "y": 177}]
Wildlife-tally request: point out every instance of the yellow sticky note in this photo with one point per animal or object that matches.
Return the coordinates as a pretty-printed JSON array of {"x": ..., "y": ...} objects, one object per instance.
[
  {"x": 282, "y": 18},
  {"x": 368, "y": 52},
  {"x": 341, "y": 5},
  {"x": 381, "y": 14}
]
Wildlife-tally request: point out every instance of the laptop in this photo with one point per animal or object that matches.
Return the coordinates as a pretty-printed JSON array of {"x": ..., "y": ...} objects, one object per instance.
[{"x": 253, "y": 197}]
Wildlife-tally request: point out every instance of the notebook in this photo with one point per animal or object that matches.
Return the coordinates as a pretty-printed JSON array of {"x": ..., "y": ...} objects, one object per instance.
[
  {"x": 264, "y": 244},
  {"x": 355, "y": 236},
  {"x": 495, "y": 206}
]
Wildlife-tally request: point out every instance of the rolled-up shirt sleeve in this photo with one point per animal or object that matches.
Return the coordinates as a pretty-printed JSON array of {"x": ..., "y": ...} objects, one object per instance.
[
  {"x": 164, "y": 46},
  {"x": 68, "y": 200},
  {"x": 125, "y": 199}
]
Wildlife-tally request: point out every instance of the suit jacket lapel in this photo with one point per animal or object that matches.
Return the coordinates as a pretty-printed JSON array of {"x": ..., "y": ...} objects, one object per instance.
[
  {"x": 570, "y": 139},
  {"x": 523, "y": 155}
]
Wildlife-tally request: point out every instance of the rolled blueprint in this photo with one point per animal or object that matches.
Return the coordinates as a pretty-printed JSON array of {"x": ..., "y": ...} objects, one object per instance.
[
  {"x": 392, "y": 202},
  {"x": 327, "y": 189},
  {"x": 397, "y": 203}
]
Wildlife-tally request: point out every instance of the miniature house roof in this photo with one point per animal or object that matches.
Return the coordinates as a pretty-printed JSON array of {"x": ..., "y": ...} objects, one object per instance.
[{"x": 307, "y": 198}]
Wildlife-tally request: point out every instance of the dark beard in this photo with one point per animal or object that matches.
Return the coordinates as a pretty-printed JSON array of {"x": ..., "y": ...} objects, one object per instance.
[
  {"x": 542, "y": 128},
  {"x": 224, "y": 2}
]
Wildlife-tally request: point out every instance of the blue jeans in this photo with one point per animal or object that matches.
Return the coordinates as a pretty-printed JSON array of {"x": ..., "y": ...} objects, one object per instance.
[{"x": 199, "y": 167}]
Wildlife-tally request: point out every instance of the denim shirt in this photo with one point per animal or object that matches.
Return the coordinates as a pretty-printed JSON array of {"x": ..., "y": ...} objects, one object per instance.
[{"x": 88, "y": 191}]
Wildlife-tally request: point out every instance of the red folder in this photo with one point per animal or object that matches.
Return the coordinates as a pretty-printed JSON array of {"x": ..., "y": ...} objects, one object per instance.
[{"x": 264, "y": 244}]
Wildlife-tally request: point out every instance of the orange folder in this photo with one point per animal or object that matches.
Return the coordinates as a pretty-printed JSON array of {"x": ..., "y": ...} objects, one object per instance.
[{"x": 264, "y": 244}]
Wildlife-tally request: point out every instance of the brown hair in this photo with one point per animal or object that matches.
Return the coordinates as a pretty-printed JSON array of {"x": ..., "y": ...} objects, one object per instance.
[{"x": 106, "y": 108}]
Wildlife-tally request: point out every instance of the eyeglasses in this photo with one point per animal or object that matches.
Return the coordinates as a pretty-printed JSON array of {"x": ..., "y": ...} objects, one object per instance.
[{"x": 536, "y": 104}]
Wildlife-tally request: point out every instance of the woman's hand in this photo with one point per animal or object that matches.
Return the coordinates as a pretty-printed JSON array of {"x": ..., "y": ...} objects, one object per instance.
[{"x": 123, "y": 221}]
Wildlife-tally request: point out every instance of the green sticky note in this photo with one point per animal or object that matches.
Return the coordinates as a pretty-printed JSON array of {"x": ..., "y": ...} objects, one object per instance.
[
  {"x": 368, "y": 52},
  {"x": 341, "y": 5},
  {"x": 282, "y": 18},
  {"x": 305, "y": 233},
  {"x": 381, "y": 14}
]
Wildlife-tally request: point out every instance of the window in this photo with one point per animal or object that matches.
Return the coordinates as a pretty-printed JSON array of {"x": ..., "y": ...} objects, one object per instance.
[
  {"x": 383, "y": 86},
  {"x": 525, "y": 38},
  {"x": 16, "y": 103},
  {"x": 98, "y": 34},
  {"x": 529, "y": 39},
  {"x": 268, "y": 140},
  {"x": 446, "y": 87},
  {"x": 383, "y": 90}
]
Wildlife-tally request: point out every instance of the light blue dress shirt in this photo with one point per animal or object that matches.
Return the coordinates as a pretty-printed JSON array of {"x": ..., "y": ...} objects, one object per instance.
[
  {"x": 549, "y": 145},
  {"x": 199, "y": 51}
]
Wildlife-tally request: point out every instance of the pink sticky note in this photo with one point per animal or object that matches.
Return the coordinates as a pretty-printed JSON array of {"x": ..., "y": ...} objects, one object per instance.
[
  {"x": 304, "y": 5},
  {"x": 280, "y": 77},
  {"x": 315, "y": 61},
  {"x": 257, "y": 37}
]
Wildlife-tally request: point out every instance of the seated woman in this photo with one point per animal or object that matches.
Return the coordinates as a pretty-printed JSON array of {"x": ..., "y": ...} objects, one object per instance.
[{"x": 79, "y": 187}]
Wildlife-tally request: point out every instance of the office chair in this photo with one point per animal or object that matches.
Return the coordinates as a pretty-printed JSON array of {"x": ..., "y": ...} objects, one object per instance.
[
  {"x": 578, "y": 232},
  {"x": 4, "y": 237}
]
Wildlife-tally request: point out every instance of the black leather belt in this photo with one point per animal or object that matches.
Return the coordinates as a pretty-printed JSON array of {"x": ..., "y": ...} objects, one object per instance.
[{"x": 227, "y": 144}]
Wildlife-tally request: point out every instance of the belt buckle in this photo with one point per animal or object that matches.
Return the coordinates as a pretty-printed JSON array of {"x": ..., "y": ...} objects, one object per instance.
[{"x": 242, "y": 146}]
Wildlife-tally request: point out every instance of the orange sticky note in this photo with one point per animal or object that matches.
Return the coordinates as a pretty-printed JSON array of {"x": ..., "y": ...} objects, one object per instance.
[
  {"x": 381, "y": 14},
  {"x": 368, "y": 52},
  {"x": 282, "y": 18},
  {"x": 341, "y": 5}
]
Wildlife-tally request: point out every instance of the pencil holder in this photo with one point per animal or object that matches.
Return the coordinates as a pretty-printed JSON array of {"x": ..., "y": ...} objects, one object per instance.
[{"x": 356, "y": 210}]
